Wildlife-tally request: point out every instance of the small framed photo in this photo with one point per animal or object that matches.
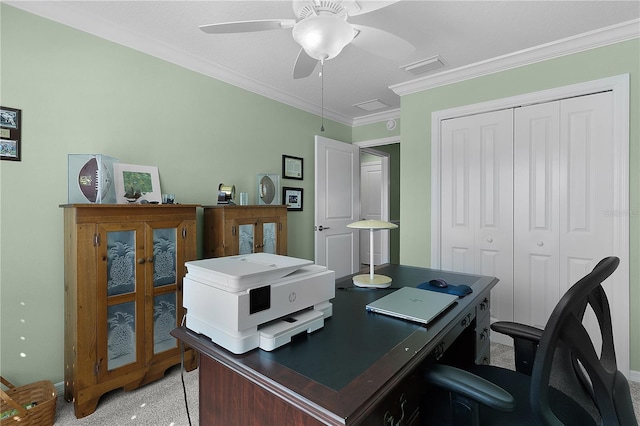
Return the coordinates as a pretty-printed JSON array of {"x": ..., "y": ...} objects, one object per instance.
[
  {"x": 137, "y": 184},
  {"x": 10, "y": 128},
  {"x": 291, "y": 167},
  {"x": 292, "y": 197}
]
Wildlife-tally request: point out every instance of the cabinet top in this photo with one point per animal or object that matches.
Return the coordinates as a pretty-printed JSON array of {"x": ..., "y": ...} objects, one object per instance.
[
  {"x": 226, "y": 206},
  {"x": 124, "y": 206}
]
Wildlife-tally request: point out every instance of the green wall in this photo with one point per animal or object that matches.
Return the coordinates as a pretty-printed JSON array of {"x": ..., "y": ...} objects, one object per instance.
[
  {"x": 415, "y": 217},
  {"x": 82, "y": 94}
]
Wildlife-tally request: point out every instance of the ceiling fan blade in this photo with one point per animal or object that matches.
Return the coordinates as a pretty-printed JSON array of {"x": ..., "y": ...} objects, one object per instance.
[
  {"x": 382, "y": 43},
  {"x": 304, "y": 65},
  {"x": 247, "y": 26},
  {"x": 360, "y": 7}
]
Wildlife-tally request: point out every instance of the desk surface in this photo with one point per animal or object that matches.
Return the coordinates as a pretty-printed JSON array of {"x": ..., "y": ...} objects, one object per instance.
[{"x": 357, "y": 354}]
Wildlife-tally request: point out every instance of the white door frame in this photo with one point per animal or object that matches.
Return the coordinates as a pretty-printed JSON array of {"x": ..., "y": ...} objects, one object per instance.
[
  {"x": 367, "y": 146},
  {"x": 619, "y": 85}
]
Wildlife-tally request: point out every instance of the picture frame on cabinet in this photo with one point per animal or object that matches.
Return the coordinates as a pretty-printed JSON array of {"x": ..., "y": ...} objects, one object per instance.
[
  {"x": 292, "y": 167},
  {"x": 137, "y": 184},
  {"x": 10, "y": 129},
  {"x": 292, "y": 197},
  {"x": 268, "y": 189}
]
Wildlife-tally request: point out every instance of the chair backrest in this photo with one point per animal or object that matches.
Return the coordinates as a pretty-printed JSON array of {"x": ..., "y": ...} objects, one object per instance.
[{"x": 567, "y": 354}]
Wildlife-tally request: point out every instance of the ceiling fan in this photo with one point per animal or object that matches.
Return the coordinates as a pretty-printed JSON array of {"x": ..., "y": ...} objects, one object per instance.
[{"x": 322, "y": 29}]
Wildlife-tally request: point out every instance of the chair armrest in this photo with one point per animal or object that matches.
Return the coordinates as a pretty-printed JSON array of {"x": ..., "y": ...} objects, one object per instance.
[
  {"x": 516, "y": 330},
  {"x": 467, "y": 384}
]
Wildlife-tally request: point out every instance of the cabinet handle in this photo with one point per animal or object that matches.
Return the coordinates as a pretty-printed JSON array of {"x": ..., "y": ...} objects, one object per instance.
[
  {"x": 150, "y": 259},
  {"x": 485, "y": 334},
  {"x": 489, "y": 240},
  {"x": 540, "y": 243},
  {"x": 141, "y": 260}
]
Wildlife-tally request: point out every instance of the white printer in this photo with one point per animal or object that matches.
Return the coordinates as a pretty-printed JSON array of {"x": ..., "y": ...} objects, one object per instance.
[{"x": 256, "y": 300}]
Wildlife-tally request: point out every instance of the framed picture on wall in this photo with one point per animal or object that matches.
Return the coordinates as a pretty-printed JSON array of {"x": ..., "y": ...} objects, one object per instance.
[
  {"x": 292, "y": 167},
  {"x": 10, "y": 129},
  {"x": 292, "y": 197}
]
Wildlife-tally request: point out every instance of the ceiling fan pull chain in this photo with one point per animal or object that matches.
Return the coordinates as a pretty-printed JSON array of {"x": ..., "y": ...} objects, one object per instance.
[{"x": 322, "y": 95}]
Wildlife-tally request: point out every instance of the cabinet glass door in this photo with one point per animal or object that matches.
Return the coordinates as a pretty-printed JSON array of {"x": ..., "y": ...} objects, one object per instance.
[
  {"x": 269, "y": 238},
  {"x": 121, "y": 262},
  {"x": 246, "y": 238},
  {"x": 165, "y": 258},
  {"x": 122, "y": 276},
  {"x": 121, "y": 337},
  {"x": 164, "y": 320}
]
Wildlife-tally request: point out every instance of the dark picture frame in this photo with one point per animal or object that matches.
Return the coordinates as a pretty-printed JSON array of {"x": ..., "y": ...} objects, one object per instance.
[
  {"x": 292, "y": 197},
  {"x": 10, "y": 128},
  {"x": 292, "y": 167}
]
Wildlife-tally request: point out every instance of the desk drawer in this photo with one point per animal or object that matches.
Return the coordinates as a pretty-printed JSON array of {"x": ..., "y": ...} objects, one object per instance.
[{"x": 401, "y": 405}]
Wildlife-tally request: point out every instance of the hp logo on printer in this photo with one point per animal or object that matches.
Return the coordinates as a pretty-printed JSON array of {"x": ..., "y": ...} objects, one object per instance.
[{"x": 292, "y": 296}]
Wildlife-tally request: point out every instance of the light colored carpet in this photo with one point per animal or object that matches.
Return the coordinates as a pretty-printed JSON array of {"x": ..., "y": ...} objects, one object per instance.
[{"x": 162, "y": 403}]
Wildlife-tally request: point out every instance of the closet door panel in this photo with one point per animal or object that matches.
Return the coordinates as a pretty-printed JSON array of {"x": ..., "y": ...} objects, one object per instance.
[
  {"x": 477, "y": 199},
  {"x": 457, "y": 197},
  {"x": 494, "y": 230},
  {"x": 536, "y": 212},
  {"x": 586, "y": 183}
]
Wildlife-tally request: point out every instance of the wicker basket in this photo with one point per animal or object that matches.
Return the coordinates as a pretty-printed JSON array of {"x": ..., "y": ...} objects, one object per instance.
[{"x": 43, "y": 393}]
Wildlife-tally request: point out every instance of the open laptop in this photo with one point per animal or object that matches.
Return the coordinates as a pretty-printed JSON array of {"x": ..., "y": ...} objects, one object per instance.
[{"x": 413, "y": 304}]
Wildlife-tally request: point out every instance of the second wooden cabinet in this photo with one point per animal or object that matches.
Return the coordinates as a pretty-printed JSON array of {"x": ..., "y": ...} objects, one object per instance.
[{"x": 230, "y": 230}]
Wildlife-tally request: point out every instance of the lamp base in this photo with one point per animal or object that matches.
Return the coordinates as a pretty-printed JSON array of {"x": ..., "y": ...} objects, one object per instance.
[{"x": 378, "y": 281}]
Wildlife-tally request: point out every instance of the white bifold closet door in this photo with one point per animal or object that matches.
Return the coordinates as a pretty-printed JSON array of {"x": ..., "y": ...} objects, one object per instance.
[
  {"x": 477, "y": 201},
  {"x": 564, "y": 184},
  {"x": 523, "y": 197}
]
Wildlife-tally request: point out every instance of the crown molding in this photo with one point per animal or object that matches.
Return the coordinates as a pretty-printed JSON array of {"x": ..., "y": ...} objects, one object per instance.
[
  {"x": 393, "y": 114},
  {"x": 66, "y": 14},
  {"x": 590, "y": 40}
]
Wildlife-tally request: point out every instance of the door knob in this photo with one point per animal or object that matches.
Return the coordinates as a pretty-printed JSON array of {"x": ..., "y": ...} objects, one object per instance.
[
  {"x": 540, "y": 243},
  {"x": 489, "y": 240}
]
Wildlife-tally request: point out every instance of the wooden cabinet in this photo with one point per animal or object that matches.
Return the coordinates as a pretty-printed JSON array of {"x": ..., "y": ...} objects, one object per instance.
[
  {"x": 124, "y": 266},
  {"x": 230, "y": 230}
]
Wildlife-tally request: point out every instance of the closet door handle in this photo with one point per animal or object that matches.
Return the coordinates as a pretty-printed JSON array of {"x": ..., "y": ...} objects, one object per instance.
[
  {"x": 540, "y": 243},
  {"x": 489, "y": 240}
]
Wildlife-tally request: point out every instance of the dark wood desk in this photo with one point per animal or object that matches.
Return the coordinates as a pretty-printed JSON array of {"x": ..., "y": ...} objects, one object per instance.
[{"x": 361, "y": 368}]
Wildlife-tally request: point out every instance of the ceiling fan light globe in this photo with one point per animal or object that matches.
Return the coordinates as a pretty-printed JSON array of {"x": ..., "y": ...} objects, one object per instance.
[{"x": 323, "y": 36}]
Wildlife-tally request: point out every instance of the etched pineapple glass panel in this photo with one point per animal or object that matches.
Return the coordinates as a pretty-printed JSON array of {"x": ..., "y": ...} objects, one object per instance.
[
  {"x": 121, "y": 335},
  {"x": 164, "y": 256},
  {"x": 121, "y": 265},
  {"x": 246, "y": 238},
  {"x": 164, "y": 320},
  {"x": 269, "y": 237}
]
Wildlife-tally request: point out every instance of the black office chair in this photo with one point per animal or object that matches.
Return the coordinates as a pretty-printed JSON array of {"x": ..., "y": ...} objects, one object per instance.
[{"x": 570, "y": 384}]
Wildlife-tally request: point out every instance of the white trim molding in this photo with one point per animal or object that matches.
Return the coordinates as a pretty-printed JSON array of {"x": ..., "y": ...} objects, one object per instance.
[{"x": 602, "y": 37}]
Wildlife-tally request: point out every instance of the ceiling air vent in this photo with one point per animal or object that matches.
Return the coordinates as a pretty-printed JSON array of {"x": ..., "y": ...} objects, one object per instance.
[
  {"x": 424, "y": 66},
  {"x": 373, "y": 105}
]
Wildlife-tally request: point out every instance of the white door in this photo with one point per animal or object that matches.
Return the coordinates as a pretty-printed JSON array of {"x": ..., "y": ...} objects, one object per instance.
[
  {"x": 337, "y": 204},
  {"x": 536, "y": 212},
  {"x": 372, "y": 208},
  {"x": 564, "y": 182},
  {"x": 477, "y": 201}
]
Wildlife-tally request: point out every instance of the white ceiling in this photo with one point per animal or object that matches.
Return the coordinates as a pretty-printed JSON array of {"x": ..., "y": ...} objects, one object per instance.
[{"x": 460, "y": 32}]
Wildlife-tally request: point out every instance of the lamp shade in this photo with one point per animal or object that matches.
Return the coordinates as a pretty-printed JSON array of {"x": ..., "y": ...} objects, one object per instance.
[
  {"x": 323, "y": 36},
  {"x": 372, "y": 224}
]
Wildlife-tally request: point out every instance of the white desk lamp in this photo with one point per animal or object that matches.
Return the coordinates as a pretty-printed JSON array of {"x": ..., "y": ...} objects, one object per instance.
[{"x": 371, "y": 279}]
